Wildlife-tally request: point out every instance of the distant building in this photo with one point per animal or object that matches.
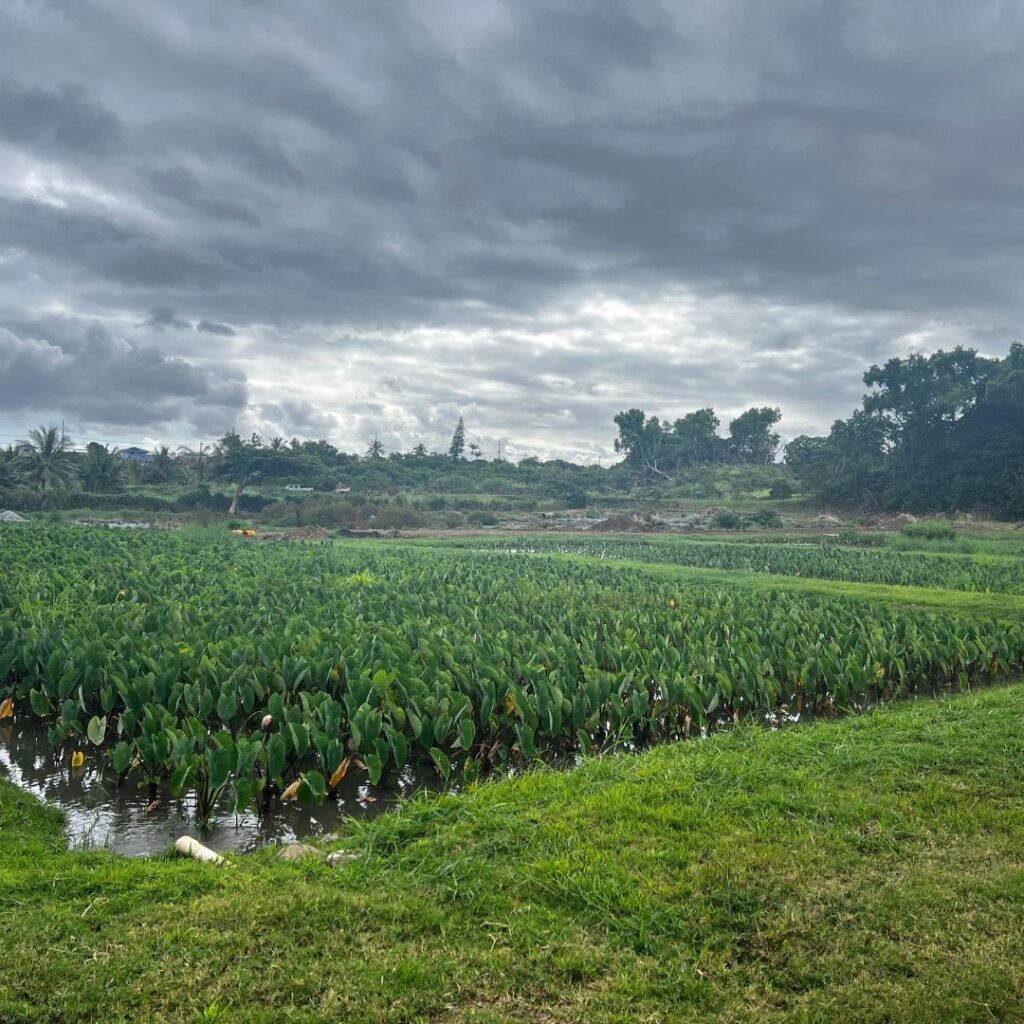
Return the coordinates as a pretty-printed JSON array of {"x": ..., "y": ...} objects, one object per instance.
[
  {"x": 341, "y": 488},
  {"x": 135, "y": 455}
]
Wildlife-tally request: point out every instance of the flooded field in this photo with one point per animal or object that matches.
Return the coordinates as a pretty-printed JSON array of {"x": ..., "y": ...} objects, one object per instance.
[{"x": 122, "y": 819}]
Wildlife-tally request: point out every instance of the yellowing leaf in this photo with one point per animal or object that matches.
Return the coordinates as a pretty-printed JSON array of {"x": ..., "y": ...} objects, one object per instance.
[
  {"x": 77, "y": 759},
  {"x": 339, "y": 773},
  {"x": 292, "y": 792},
  {"x": 7, "y": 708}
]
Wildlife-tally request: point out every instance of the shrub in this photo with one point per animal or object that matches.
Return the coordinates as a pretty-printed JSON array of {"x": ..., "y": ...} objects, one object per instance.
[
  {"x": 726, "y": 519},
  {"x": 768, "y": 518},
  {"x": 482, "y": 517},
  {"x": 781, "y": 489}
]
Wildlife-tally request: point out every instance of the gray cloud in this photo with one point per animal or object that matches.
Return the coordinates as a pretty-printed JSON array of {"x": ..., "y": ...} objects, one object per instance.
[
  {"x": 163, "y": 317},
  {"x": 56, "y": 120},
  {"x": 101, "y": 380},
  {"x": 526, "y": 190},
  {"x": 211, "y": 327},
  {"x": 290, "y": 417}
]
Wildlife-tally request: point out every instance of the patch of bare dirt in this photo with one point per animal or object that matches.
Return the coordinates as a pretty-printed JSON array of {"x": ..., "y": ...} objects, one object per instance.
[{"x": 628, "y": 524}]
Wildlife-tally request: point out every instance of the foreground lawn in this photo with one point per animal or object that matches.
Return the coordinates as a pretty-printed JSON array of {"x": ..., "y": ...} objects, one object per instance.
[{"x": 870, "y": 869}]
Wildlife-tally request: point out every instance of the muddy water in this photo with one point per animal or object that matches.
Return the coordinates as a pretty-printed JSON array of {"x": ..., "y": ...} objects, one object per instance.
[{"x": 99, "y": 814}]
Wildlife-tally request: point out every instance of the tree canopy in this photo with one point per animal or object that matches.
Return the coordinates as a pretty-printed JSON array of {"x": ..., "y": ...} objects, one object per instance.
[
  {"x": 938, "y": 432},
  {"x": 656, "y": 450}
]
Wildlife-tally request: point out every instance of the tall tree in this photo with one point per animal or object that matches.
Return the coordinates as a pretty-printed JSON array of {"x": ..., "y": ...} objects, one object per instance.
[
  {"x": 697, "y": 437},
  {"x": 751, "y": 437},
  {"x": 45, "y": 459},
  {"x": 10, "y": 475},
  {"x": 246, "y": 463},
  {"x": 162, "y": 467},
  {"x": 457, "y": 449},
  {"x": 102, "y": 471},
  {"x": 647, "y": 447},
  {"x": 195, "y": 461},
  {"x": 375, "y": 449}
]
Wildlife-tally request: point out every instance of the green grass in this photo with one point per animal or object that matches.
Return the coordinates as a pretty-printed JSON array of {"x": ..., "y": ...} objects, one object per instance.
[
  {"x": 998, "y": 606},
  {"x": 868, "y": 869}
]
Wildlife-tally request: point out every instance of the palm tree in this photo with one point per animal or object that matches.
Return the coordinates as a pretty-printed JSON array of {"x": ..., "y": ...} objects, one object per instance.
[
  {"x": 376, "y": 449},
  {"x": 195, "y": 460},
  {"x": 101, "y": 471},
  {"x": 161, "y": 467},
  {"x": 45, "y": 458},
  {"x": 9, "y": 474}
]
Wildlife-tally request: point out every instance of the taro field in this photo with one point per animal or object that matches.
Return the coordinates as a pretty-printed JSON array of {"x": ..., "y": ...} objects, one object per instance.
[{"x": 240, "y": 671}]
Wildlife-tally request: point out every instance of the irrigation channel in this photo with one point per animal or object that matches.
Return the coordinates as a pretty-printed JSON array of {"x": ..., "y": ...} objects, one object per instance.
[{"x": 100, "y": 815}]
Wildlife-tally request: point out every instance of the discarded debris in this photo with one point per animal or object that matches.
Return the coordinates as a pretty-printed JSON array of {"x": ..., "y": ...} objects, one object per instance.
[
  {"x": 186, "y": 846},
  {"x": 335, "y": 860},
  {"x": 299, "y": 851}
]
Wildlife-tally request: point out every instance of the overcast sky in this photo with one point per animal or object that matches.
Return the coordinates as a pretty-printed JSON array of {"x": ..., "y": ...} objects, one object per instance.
[{"x": 351, "y": 218}]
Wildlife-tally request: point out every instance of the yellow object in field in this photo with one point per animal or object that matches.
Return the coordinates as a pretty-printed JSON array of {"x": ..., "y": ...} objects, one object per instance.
[
  {"x": 248, "y": 533},
  {"x": 77, "y": 759},
  {"x": 237, "y": 532},
  {"x": 7, "y": 708}
]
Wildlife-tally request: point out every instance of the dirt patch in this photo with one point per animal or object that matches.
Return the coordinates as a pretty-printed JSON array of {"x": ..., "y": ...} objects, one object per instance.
[
  {"x": 307, "y": 533},
  {"x": 628, "y": 524}
]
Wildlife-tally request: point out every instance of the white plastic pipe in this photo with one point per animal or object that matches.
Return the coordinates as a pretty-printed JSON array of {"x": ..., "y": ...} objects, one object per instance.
[{"x": 186, "y": 846}]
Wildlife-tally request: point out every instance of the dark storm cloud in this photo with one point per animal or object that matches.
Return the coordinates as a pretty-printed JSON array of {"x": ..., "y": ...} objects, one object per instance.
[
  {"x": 163, "y": 317},
  {"x": 58, "y": 119},
  {"x": 824, "y": 181},
  {"x": 210, "y": 327},
  {"x": 100, "y": 379}
]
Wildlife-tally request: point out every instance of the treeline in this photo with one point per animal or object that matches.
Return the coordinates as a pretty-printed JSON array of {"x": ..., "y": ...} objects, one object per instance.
[
  {"x": 46, "y": 471},
  {"x": 936, "y": 433},
  {"x": 655, "y": 450}
]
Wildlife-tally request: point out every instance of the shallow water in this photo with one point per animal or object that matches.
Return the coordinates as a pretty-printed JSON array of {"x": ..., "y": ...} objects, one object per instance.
[{"x": 99, "y": 814}]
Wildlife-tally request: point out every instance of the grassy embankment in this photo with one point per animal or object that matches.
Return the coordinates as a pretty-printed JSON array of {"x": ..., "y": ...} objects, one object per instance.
[
  {"x": 869, "y": 869},
  {"x": 999, "y": 606}
]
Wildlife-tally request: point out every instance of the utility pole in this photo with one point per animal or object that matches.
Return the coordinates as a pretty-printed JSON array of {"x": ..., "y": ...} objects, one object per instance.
[{"x": 499, "y": 449}]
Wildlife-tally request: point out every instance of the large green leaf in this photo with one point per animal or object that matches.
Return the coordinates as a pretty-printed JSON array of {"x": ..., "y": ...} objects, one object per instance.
[
  {"x": 97, "y": 729},
  {"x": 441, "y": 762},
  {"x": 121, "y": 756},
  {"x": 276, "y": 752}
]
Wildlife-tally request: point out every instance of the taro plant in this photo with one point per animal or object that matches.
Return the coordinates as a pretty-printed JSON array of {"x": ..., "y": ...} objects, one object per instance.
[{"x": 244, "y": 675}]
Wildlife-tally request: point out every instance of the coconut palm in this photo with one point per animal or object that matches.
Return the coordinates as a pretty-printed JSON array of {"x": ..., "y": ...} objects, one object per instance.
[
  {"x": 102, "y": 469},
  {"x": 9, "y": 470},
  {"x": 45, "y": 459},
  {"x": 162, "y": 466},
  {"x": 195, "y": 460}
]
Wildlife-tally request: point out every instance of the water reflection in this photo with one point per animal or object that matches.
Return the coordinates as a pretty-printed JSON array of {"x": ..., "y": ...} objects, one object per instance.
[{"x": 101, "y": 815}]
